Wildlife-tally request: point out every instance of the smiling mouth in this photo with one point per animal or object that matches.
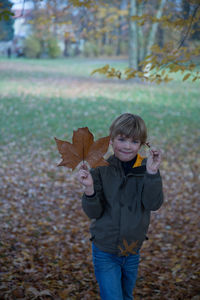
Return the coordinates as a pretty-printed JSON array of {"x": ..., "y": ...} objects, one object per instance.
[{"x": 123, "y": 152}]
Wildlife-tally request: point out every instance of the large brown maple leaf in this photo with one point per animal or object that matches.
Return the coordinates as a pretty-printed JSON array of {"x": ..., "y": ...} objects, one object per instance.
[{"x": 83, "y": 148}]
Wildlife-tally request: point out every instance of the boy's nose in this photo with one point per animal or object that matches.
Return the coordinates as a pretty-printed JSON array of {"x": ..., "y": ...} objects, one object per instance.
[{"x": 127, "y": 145}]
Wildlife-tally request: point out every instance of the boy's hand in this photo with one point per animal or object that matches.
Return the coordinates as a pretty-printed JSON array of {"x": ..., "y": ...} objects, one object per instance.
[
  {"x": 153, "y": 161},
  {"x": 85, "y": 178}
]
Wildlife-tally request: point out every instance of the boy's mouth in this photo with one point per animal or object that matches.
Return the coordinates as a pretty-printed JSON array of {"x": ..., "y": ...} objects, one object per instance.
[{"x": 125, "y": 152}]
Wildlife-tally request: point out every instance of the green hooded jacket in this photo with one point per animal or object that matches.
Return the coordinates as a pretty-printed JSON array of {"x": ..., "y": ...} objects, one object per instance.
[{"x": 122, "y": 205}]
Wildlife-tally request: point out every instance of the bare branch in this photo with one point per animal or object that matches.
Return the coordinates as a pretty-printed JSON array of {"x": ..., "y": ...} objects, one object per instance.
[{"x": 189, "y": 28}]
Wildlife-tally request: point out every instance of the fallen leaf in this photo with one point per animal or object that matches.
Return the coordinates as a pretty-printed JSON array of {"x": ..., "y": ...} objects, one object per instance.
[
  {"x": 83, "y": 148},
  {"x": 129, "y": 249}
]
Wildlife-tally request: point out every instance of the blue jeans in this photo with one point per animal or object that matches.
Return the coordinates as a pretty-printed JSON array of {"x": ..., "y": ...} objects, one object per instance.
[{"x": 116, "y": 275}]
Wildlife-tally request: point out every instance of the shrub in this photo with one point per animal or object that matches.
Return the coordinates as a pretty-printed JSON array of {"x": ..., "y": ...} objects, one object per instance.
[
  {"x": 52, "y": 48},
  {"x": 91, "y": 49},
  {"x": 108, "y": 50},
  {"x": 32, "y": 47},
  {"x": 124, "y": 47}
]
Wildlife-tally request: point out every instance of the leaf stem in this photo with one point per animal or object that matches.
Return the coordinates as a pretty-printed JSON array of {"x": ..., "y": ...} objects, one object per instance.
[
  {"x": 148, "y": 144},
  {"x": 83, "y": 149}
]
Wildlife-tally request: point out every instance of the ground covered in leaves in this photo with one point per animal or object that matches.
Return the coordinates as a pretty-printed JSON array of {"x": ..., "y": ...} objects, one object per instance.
[{"x": 45, "y": 252}]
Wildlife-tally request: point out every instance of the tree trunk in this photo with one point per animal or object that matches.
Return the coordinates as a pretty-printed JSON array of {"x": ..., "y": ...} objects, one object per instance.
[
  {"x": 160, "y": 37},
  {"x": 66, "y": 53},
  {"x": 133, "y": 36},
  {"x": 119, "y": 36},
  {"x": 185, "y": 9},
  {"x": 141, "y": 38},
  {"x": 105, "y": 39},
  {"x": 121, "y": 6},
  {"x": 152, "y": 33}
]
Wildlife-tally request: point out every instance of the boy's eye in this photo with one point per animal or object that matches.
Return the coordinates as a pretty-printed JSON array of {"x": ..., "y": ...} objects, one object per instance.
[{"x": 121, "y": 139}]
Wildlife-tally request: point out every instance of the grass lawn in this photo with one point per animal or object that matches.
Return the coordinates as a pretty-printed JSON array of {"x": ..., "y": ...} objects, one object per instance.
[{"x": 41, "y": 99}]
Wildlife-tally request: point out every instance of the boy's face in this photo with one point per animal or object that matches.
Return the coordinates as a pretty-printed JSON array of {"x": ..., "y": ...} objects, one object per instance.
[{"x": 125, "y": 149}]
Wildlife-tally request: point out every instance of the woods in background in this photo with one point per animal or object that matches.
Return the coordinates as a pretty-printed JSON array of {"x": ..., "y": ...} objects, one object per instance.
[{"x": 152, "y": 34}]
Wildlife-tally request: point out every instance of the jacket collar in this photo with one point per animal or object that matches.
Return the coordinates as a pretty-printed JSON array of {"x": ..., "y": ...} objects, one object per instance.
[
  {"x": 139, "y": 166},
  {"x": 139, "y": 161}
]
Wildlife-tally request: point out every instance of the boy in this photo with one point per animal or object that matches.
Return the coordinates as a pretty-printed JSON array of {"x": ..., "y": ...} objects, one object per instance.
[{"x": 119, "y": 198}]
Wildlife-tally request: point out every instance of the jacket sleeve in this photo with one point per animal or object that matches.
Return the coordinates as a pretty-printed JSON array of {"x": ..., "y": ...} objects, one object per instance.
[
  {"x": 93, "y": 206},
  {"x": 152, "y": 193}
]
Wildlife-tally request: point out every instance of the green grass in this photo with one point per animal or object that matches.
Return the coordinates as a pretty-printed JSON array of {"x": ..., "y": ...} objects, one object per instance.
[
  {"x": 50, "y": 68},
  {"x": 41, "y": 99}
]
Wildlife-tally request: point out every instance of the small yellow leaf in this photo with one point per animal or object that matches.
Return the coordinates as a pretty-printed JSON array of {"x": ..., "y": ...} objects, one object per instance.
[
  {"x": 194, "y": 79},
  {"x": 152, "y": 67},
  {"x": 128, "y": 70},
  {"x": 186, "y": 76},
  {"x": 192, "y": 66},
  {"x": 163, "y": 72},
  {"x": 140, "y": 74},
  {"x": 179, "y": 279},
  {"x": 135, "y": 18}
]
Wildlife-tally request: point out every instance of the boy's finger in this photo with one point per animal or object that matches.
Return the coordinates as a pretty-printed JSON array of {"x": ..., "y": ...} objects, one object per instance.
[
  {"x": 83, "y": 173},
  {"x": 155, "y": 151},
  {"x": 151, "y": 152},
  {"x": 84, "y": 167}
]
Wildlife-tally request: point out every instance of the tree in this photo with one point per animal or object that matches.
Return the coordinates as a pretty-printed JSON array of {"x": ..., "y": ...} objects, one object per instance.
[
  {"x": 133, "y": 36},
  {"x": 6, "y": 22},
  {"x": 171, "y": 57},
  {"x": 121, "y": 22},
  {"x": 138, "y": 48}
]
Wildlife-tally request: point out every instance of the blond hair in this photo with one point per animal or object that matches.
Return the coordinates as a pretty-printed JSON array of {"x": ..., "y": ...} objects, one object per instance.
[{"x": 130, "y": 126}]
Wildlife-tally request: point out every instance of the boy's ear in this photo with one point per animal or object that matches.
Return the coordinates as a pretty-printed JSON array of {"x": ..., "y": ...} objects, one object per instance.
[{"x": 111, "y": 142}]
